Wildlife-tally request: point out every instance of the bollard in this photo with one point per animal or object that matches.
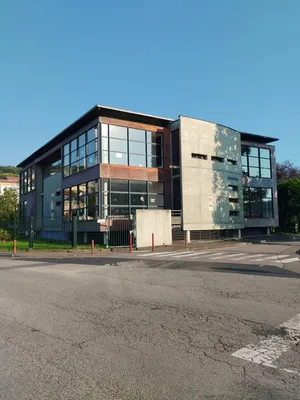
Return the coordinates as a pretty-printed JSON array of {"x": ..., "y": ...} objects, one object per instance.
[
  {"x": 186, "y": 240},
  {"x": 15, "y": 247},
  {"x": 130, "y": 241},
  {"x": 93, "y": 246},
  {"x": 153, "y": 241}
]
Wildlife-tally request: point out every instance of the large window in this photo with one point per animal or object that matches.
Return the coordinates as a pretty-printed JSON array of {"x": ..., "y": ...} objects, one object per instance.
[
  {"x": 123, "y": 197},
  {"x": 256, "y": 162},
  {"x": 52, "y": 169},
  {"x": 27, "y": 180},
  {"x": 82, "y": 200},
  {"x": 81, "y": 153},
  {"x": 134, "y": 147},
  {"x": 258, "y": 202},
  {"x": 23, "y": 209}
]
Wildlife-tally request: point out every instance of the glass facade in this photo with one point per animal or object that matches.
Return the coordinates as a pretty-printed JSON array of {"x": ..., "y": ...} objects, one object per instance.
[
  {"x": 128, "y": 146},
  {"x": 27, "y": 180},
  {"x": 258, "y": 202},
  {"x": 52, "y": 169},
  {"x": 81, "y": 152},
  {"x": 82, "y": 200},
  {"x": 256, "y": 162},
  {"x": 23, "y": 209},
  {"x": 123, "y": 197}
]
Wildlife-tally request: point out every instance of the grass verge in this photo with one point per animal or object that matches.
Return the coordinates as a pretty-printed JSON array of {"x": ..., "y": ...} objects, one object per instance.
[{"x": 23, "y": 245}]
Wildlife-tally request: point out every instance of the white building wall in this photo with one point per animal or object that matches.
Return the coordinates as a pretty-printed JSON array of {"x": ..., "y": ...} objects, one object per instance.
[{"x": 8, "y": 185}]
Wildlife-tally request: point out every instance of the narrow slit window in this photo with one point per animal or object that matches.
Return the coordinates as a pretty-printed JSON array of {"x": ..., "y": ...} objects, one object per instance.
[
  {"x": 233, "y": 188},
  {"x": 200, "y": 156},
  {"x": 232, "y": 162},
  {"x": 234, "y": 213},
  {"x": 217, "y": 159}
]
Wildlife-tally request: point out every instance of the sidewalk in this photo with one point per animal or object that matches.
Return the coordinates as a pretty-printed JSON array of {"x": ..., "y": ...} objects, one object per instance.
[{"x": 73, "y": 253}]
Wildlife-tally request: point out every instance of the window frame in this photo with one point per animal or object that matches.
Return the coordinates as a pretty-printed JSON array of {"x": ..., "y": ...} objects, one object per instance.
[
  {"x": 247, "y": 167},
  {"x": 81, "y": 199},
  {"x": 130, "y": 205},
  {"x": 260, "y": 191},
  {"x": 83, "y": 155},
  {"x": 148, "y": 160}
]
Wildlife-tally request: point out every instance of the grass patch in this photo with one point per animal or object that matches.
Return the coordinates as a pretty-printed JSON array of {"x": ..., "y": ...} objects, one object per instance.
[{"x": 43, "y": 245}]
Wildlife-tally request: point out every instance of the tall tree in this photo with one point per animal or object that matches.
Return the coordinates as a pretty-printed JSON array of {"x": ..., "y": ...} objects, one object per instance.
[
  {"x": 287, "y": 170},
  {"x": 9, "y": 205},
  {"x": 289, "y": 204}
]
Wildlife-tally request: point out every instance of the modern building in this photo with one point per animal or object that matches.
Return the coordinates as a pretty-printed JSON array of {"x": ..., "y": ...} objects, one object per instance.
[
  {"x": 11, "y": 182},
  {"x": 111, "y": 162}
]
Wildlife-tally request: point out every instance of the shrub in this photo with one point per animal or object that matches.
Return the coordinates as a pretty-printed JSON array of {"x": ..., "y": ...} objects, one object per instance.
[{"x": 5, "y": 236}]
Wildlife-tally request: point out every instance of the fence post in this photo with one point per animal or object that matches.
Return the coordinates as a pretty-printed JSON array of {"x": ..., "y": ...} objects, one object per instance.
[
  {"x": 107, "y": 232},
  {"x": 130, "y": 241},
  {"x": 31, "y": 241},
  {"x": 74, "y": 231},
  {"x": 187, "y": 239},
  {"x": 15, "y": 227},
  {"x": 153, "y": 242}
]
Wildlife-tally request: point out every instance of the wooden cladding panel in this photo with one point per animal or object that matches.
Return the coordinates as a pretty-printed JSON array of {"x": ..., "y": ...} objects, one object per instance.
[{"x": 136, "y": 125}]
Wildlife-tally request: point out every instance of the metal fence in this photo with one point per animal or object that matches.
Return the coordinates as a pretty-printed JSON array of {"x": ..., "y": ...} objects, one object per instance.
[{"x": 59, "y": 233}]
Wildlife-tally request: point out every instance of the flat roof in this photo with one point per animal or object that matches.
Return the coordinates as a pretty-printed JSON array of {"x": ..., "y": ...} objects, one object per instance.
[
  {"x": 251, "y": 137},
  {"x": 132, "y": 116},
  {"x": 95, "y": 112}
]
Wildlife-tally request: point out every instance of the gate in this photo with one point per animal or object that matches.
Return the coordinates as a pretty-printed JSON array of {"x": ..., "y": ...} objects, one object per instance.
[{"x": 119, "y": 228}]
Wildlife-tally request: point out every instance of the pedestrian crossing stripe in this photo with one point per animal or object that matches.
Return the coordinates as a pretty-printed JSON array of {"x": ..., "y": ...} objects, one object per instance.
[{"x": 192, "y": 255}]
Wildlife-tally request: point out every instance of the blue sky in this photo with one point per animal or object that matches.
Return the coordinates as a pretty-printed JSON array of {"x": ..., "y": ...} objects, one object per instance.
[{"x": 229, "y": 61}]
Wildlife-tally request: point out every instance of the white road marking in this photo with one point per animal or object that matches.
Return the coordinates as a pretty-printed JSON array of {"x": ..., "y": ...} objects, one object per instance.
[
  {"x": 172, "y": 254},
  {"x": 288, "y": 260},
  {"x": 185, "y": 254},
  {"x": 270, "y": 349},
  {"x": 195, "y": 254},
  {"x": 156, "y": 254},
  {"x": 253, "y": 256},
  {"x": 227, "y": 256},
  {"x": 266, "y": 258},
  {"x": 212, "y": 254}
]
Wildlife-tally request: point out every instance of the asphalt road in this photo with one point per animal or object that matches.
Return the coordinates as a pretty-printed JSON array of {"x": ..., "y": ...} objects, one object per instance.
[{"x": 113, "y": 328}]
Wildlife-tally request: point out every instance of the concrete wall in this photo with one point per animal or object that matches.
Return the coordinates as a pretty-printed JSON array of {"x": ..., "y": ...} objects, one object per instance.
[
  {"x": 156, "y": 221},
  {"x": 52, "y": 184},
  {"x": 264, "y": 183},
  {"x": 205, "y": 194}
]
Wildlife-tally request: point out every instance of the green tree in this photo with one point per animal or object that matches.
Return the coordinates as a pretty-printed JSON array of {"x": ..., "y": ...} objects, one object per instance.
[
  {"x": 9, "y": 205},
  {"x": 286, "y": 170},
  {"x": 6, "y": 171},
  {"x": 289, "y": 204}
]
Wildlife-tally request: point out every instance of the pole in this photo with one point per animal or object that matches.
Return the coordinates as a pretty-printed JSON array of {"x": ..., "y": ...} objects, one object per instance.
[
  {"x": 31, "y": 234},
  {"x": 186, "y": 244},
  {"x": 153, "y": 241},
  {"x": 74, "y": 231},
  {"x": 15, "y": 247},
  {"x": 130, "y": 241},
  {"x": 93, "y": 246}
]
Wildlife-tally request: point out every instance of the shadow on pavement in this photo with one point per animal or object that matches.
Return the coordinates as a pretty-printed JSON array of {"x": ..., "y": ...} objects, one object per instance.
[{"x": 271, "y": 271}]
